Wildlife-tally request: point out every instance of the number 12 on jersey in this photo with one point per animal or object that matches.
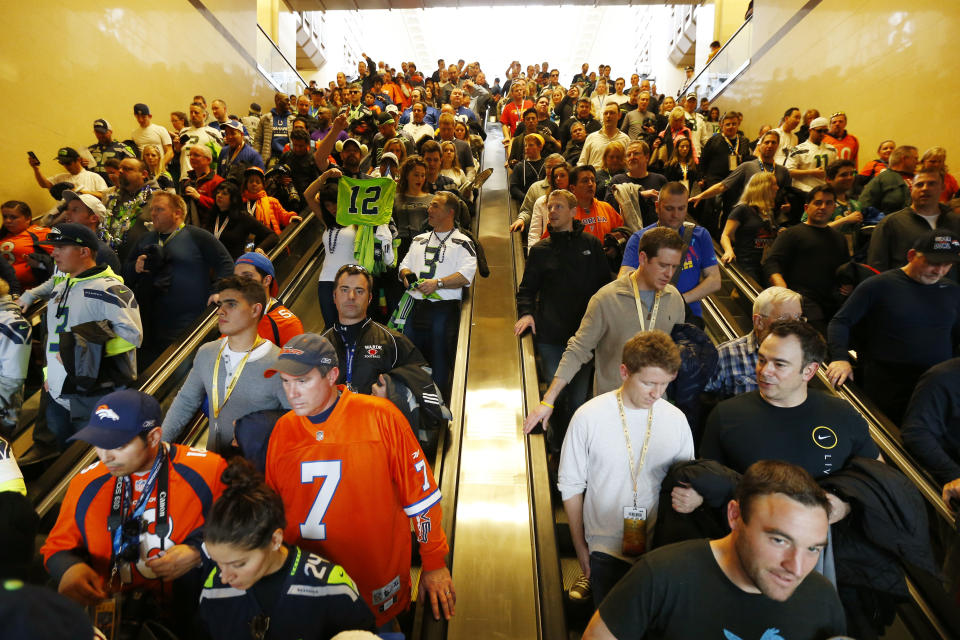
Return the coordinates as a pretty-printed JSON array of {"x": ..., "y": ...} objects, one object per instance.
[
  {"x": 367, "y": 202},
  {"x": 329, "y": 470}
]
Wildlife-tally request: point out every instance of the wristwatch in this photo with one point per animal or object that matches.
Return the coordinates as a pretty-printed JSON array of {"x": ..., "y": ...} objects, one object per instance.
[{"x": 439, "y": 283}]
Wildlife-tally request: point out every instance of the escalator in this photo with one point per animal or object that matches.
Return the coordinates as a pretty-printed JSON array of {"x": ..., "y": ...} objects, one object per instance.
[
  {"x": 930, "y": 612},
  {"x": 296, "y": 258}
]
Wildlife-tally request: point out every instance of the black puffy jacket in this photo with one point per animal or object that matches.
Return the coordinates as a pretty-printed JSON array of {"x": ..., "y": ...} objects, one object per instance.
[{"x": 563, "y": 272}]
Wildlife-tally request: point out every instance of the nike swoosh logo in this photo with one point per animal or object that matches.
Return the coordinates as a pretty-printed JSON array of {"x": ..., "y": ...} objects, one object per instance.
[{"x": 822, "y": 437}]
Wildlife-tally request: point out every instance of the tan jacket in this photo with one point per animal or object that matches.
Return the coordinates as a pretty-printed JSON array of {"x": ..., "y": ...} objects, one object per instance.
[{"x": 610, "y": 320}]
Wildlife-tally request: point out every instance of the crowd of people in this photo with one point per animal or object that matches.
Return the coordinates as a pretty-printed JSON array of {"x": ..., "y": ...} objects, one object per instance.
[
  {"x": 606, "y": 177},
  {"x": 621, "y": 194}
]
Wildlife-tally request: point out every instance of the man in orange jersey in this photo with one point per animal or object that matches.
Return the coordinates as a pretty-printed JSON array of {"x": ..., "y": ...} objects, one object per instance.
[
  {"x": 133, "y": 520},
  {"x": 278, "y": 323},
  {"x": 362, "y": 475},
  {"x": 598, "y": 217}
]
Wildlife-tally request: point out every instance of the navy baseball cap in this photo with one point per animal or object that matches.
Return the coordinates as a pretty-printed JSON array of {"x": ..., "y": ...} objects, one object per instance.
[
  {"x": 101, "y": 125},
  {"x": 69, "y": 234},
  {"x": 141, "y": 109},
  {"x": 262, "y": 263},
  {"x": 301, "y": 354},
  {"x": 34, "y": 612},
  {"x": 232, "y": 124},
  {"x": 119, "y": 418},
  {"x": 939, "y": 246}
]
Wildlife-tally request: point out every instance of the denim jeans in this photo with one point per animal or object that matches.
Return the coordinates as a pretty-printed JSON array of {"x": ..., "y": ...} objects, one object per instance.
[
  {"x": 605, "y": 573},
  {"x": 432, "y": 328},
  {"x": 570, "y": 399}
]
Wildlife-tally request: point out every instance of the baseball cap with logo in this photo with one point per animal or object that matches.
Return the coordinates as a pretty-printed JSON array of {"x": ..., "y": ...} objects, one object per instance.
[
  {"x": 92, "y": 202},
  {"x": 66, "y": 155},
  {"x": 262, "y": 263},
  {"x": 120, "y": 417},
  {"x": 69, "y": 234},
  {"x": 939, "y": 246},
  {"x": 232, "y": 124},
  {"x": 141, "y": 109},
  {"x": 101, "y": 126},
  {"x": 301, "y": 354}
]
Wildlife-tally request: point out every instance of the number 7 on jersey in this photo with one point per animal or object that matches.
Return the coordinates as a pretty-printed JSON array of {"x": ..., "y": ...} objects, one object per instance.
[{"x": 329, "y": 470}]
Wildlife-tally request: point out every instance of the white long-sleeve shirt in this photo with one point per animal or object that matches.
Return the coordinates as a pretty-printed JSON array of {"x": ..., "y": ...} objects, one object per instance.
[{"x": 594, "y": 460}]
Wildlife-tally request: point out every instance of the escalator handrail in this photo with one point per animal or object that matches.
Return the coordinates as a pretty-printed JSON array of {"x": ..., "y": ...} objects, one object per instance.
[
  {"x": 716, "y": 314},
  {"x": 157, "y": 377},
  {"x": 549, "y": 584},
  {"x": 879, "y": 425}
]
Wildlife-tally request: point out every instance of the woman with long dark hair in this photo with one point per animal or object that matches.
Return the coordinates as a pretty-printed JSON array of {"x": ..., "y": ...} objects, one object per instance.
[
  {"x": 233, "y": 226},
  {"x": 256, "y": 584}
]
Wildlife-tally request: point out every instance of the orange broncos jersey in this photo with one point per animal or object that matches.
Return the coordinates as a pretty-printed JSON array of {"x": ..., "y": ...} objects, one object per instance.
[
  {"x": 349, "y": 486},
  {"x": 601, "y": 220},
  {"x": 15, "y": 250},
  {"x": 194, "y": 483},
  {"x": 279, "y": 324}
]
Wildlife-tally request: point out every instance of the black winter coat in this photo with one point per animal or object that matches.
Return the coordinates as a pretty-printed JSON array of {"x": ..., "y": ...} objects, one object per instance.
[{"x": 563, "y": 272}]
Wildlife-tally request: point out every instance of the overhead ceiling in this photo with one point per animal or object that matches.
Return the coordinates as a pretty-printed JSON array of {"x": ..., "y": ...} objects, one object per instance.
[{"x": 354, "y": 5}]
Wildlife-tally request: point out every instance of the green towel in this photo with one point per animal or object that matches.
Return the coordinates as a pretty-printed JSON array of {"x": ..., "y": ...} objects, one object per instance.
[{"x": 398, "y": 319}]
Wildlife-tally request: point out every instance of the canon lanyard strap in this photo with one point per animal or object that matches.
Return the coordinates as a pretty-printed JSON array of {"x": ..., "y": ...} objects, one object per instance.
[
  {"x": 215, "y": 391},
  {"x": 635, "y": 473},
  {"x": 653, "y": 313},
  {"x": 159, "y": 476}
]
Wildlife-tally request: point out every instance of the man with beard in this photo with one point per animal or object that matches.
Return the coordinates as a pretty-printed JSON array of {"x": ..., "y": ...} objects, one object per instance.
[
  {"x": 126, "y": 214},
  {"x": 758, "y": 581}
]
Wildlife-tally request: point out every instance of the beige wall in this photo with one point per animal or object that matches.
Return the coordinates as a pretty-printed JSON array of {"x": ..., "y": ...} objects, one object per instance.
[
  {"x": 67, "y": 63},
  {"x": 728, "y": 17},
  {"x": 883, "y": 62}
]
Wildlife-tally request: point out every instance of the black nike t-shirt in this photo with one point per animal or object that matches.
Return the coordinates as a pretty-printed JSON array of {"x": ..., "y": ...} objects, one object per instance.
[
  {"x": 819, "y": 435},
  {"x": 679, "y": 592}
]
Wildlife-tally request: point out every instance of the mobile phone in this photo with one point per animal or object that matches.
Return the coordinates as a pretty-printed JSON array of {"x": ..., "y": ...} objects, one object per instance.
[{"x": 33, "y": 157}]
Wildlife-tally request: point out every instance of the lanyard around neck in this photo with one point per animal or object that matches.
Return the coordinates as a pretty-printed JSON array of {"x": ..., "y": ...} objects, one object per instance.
[
  {"x": 215, "y": 390},
  {"x": 640, "y": 314},
  {"x": 634, "y": 473},
  {"x": 172, "y": 235}
]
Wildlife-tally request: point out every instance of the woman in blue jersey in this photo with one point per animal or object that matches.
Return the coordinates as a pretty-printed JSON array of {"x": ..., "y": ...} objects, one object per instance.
[{"x": 256, "y": 586}]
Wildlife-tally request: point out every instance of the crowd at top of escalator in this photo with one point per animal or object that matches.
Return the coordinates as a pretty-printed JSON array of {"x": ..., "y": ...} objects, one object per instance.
[{"x": 604, "y": 175}]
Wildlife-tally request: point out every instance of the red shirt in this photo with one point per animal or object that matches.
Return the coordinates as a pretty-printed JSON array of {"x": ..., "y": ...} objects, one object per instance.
[
  {"x": 351, "y": 486},
  {"x": 512, "y": 114}
]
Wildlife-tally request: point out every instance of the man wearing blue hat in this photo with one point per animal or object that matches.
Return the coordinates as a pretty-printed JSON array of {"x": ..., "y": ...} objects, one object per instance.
[
  {"x": 134, "y": 519},
  {"x": 278, "y": 323},
  {"x": 94, "y": 328}
]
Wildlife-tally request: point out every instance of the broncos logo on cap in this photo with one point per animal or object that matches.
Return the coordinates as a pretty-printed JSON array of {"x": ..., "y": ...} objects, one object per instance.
[
  {"x": 104, "y": 413},
  {"x": 292, "y": 351}
]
